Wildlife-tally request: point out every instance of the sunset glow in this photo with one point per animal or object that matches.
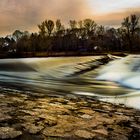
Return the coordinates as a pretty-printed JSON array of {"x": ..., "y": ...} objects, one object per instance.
[
  {"x": 25, "y": 15},
  {"x": 109, "y": 6}
]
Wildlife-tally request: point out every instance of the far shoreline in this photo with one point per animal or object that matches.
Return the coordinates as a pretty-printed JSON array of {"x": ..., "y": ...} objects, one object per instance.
[{"x": 61, "y": 54}]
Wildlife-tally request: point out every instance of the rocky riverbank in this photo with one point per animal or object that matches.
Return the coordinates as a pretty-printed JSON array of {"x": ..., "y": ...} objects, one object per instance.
[{"x": 28, "y": 117}]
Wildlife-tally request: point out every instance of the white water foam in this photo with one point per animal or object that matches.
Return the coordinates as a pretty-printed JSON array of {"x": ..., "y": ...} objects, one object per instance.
[{"x": 125, "y": 71}]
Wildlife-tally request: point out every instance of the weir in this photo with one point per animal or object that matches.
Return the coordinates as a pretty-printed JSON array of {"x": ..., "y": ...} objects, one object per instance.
[{"x": 116, "y": 82}]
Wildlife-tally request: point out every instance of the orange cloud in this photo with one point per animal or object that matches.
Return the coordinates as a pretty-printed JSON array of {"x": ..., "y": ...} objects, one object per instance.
[
  {"x": 116, "y": 18},
  {"x": 26, "y": 14}
]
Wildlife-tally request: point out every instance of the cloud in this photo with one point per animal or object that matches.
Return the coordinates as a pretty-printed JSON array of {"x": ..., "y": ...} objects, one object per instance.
[
  {"x": 26, "y": 14},
  {"x": 107, "y": 6},
  {"x": 116, "y": 18}
]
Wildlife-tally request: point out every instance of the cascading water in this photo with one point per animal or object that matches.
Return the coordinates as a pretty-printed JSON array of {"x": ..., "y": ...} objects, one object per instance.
[
  {"x": 125, "y": 72},
  {"x": 117, "y": 81}
]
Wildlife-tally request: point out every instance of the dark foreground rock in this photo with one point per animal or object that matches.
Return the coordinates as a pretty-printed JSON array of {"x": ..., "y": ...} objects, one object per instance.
[{"x": 25, "y": 117}]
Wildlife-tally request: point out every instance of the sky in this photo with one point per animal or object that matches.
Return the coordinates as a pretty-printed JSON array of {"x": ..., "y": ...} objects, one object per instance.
[{"x": 27, "y": 14}]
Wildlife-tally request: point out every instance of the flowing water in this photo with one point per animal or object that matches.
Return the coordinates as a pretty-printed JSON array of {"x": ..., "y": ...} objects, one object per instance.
[{"x": 116, "y": 82}]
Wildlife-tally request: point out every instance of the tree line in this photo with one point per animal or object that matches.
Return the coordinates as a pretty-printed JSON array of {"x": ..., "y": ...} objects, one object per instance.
[{"x": 80, "y": 37}]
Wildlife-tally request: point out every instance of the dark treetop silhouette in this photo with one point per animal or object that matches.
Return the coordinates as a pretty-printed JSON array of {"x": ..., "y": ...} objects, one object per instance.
[{"x": 83, "y": 37}]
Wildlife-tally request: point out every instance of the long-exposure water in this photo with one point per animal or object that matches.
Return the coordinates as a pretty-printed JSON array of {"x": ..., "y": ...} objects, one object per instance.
[{"x": 116, "y": 82}]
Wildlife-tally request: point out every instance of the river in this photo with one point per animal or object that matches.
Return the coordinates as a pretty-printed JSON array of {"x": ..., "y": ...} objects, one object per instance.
[{"x": 117, "y": 82}]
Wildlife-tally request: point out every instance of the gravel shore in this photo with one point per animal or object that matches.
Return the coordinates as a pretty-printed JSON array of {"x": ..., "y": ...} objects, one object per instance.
[{"x": 28, "y": 117}]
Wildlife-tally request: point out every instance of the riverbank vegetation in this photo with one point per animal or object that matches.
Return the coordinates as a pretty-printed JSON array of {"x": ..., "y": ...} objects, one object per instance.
[{"x": 83, "y": 37}]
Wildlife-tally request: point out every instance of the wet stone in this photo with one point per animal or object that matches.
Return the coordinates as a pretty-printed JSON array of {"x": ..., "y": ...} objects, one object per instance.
[
  {"x": 59, "y": 100},
  {"x": 101, "y": 131},
  {"x": 63, "y": 118},
  {"x": 87, "y": 111},
  {"x": 85, "y": 116},
  {"x": 4, "y": 117},
  {"x": 50, "y": 121},
  {"x": 125, "y": 131},
  {"x": 32, "y": 128},
  {"x": 71, "y": 97},
  {"x": 56, "y": 132},
  {"x": 117, "y": 137},
  {"x": 84, "y": 134},
  {"x": 8, "y": 133}
]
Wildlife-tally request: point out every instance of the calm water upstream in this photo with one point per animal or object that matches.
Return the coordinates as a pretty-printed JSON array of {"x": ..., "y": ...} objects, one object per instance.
[{"x": 117, "y": 82}]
